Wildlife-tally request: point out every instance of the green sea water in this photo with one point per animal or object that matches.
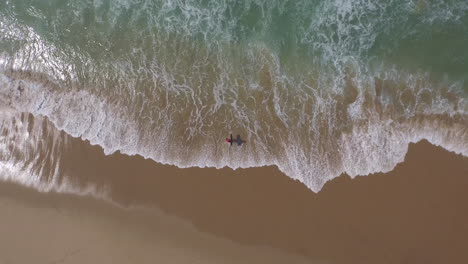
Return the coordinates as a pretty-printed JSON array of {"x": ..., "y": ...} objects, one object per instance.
[{"x": 317, "y": 88}]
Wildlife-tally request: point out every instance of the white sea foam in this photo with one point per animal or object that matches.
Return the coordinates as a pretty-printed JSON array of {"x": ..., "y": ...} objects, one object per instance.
[{"x": 377, "y": 145}]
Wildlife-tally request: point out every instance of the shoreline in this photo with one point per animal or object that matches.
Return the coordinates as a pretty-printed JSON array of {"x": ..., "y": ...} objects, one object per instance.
[{"x": 415, "y": 213}]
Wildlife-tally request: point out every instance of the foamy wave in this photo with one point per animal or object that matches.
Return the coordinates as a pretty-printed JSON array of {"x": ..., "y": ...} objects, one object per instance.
[
  {"x": 79, "y": 113},
  {"x": 372, "y": 144}
]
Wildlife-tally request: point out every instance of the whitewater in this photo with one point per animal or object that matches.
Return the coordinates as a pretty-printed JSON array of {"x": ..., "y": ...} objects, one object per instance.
[{"x": 317, "y": 88}]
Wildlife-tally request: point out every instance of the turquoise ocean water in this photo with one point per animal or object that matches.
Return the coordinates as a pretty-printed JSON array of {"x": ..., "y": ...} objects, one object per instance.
[{"x": 317, "y": 88}]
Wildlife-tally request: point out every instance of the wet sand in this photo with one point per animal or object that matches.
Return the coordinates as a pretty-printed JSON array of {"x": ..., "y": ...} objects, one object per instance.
[
  {"x": 418, "y": 213},
  {"x": 57, "y": 228}
]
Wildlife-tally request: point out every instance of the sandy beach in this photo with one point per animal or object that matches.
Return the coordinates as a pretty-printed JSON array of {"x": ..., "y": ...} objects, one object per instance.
[
  {"x": 415, "y": 214},
  {"x": 54, "y": 228},
  {"x": 205, "y": 131}
]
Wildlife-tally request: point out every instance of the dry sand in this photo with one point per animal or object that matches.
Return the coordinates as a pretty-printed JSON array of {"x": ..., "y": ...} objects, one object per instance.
[{"x": 417, "y": 213}]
